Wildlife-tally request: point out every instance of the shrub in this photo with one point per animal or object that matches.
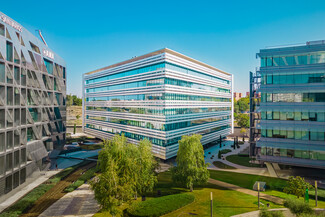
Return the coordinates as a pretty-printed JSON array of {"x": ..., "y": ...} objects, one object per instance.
[
  {"x": 224, "y": 151},
  {"x": 312, "y": 215},
  {"x": 266, "y": 213},
  {"x": 160, "y": 206},
  {"x": 298, "y": 206}
]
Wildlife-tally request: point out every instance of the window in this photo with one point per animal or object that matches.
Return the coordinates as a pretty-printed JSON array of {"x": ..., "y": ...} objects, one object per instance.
[
  {"x": 9, "y": 48},
  {"x": 2, "y": 30},
  {"x": 35, "y": 48},
  {"x": 49, "y": 66}
]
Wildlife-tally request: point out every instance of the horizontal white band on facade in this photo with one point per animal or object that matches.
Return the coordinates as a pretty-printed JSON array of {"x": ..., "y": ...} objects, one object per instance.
[
  {"x": 159, "y": 89},
  {"x": 156, "y": 118},
  {"x": 162, "y": 103}
]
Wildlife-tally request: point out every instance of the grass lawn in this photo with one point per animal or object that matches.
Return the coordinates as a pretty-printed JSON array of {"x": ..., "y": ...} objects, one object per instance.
[
  {"x": 241, "y": 160},
  {"x": 225, "y": 202},
  {"x": 274, "y": 185},
  {"x": 221, "y": 165}
]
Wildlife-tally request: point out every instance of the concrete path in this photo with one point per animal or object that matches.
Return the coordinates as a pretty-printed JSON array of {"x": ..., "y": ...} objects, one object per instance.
[
  {"x": 80, "y": 202},
  {"x": 35, "y": 180},
  {"x": 239, "y": 168},
  {"x": 246, "y": 191},
  {"x": 285, "y": 211}
]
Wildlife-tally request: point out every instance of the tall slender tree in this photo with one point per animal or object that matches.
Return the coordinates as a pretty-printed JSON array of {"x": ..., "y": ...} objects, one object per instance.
[{"x": 191, "y": 168}]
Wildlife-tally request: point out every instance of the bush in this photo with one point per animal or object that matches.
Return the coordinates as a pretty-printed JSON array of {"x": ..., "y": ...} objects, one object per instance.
[
  {"x": 298, "y": 206},
  {"x": 160, "y": 206},
  {"x": 266, "y": 213},
  {"x": 311, "y": 215},
  {"x": 224, "y": 151}
]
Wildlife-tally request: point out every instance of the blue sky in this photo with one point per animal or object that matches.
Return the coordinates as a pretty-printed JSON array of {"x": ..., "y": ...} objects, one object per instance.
[{"x": 224, "y": 34}]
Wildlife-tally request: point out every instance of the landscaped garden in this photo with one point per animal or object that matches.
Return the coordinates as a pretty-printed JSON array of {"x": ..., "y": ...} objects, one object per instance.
[
  {"x": 274, "y": 186},
  {"x": 225, "y": 202}
]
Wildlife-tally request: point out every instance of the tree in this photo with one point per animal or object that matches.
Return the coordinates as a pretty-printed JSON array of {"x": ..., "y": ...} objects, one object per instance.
[
  {"x": 126, "y": 169},
  {"x": 219, "y": 154},
  {"x": 243, "y": 104},
  {"x": 73, "y": 100},
  {"x": 191, "y": 168},
  {"x": 146, "y": 165},
  {"x": 243, "y": 120},
  {"x": 297, "y": 186}
]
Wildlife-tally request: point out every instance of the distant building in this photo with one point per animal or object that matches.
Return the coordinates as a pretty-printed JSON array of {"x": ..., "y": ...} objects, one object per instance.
[
  {"x": 288, "y": 106},
  {"x": 237, "y": 96},
  {"x": 160, "y": 96}
]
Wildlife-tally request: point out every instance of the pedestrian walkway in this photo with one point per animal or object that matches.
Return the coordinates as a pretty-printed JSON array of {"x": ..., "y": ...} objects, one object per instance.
[
  {"x": 246, "y": 191},
  {"x": 35, "y": 180},
  {"x": 239, "y": 168},
  {"x": 80, "y": 202},
  {"x": 285, "y": 211}
]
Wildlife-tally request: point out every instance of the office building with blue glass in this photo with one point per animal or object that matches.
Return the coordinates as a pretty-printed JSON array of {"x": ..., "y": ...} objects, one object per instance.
[
  {"x": 160, "y": 96},
  {"x": 32, "y": 104},
  {"x": 288, "y": 121}
]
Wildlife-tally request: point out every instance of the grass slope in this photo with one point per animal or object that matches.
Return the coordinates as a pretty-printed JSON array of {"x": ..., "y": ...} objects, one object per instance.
[{"x": 241, "y": 160}]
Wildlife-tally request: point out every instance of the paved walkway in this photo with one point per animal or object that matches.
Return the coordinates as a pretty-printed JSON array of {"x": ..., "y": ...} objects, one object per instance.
[
  {"x": 36, "y": 179},
  {"x": 239, "y": 168},
  {"x": 80, "y": 202},
  {"x": 285, "y": 211},
  {"x": 246, "y": 191}
]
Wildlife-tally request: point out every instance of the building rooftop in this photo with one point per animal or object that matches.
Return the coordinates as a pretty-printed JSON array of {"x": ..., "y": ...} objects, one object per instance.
[
  {"x": 164, "y": 50},
  {"x": 294, "y": 48}
]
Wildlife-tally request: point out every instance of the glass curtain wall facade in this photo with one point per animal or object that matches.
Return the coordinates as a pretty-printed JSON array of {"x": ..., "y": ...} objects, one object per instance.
[
  {"x": 292, "y": 105},
  {"x": 32, "y": 104},
  {"x": 159, "y": 96}
]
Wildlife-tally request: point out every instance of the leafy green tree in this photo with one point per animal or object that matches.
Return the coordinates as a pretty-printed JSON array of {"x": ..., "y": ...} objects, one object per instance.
[
  {"x": 73, "y": 100},
  {"x": 243, "y": 120},
  {"x": 191, "y": 168},
  {"x": 219, "y": 154},
  {"x": 125, "y": 170},
  {"x": 297, "y": 186},
  {"x": 243, "y": 104},
  {"x": 146, "y": 164}
]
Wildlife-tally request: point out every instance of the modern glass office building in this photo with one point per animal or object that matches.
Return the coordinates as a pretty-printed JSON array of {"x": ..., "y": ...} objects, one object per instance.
[
  {"x": 160, "y": 96},
  {"x": 32, "y": 103},
  {"x": 288, "y": 105}
]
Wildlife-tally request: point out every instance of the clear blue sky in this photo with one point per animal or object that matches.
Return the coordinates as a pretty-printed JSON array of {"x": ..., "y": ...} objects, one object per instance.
[{"x": 224, "y": 34}]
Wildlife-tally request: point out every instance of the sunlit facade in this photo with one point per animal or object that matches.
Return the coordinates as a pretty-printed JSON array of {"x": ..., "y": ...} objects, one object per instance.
[
  {"x": 159, "y": 96},
  {"x": 32, "y": 104},
  {"x": 292, "y": 106}
]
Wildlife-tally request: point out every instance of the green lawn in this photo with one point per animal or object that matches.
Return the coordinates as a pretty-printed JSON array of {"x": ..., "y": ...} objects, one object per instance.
[
  {"x": 221, "y": 165},
  {"x": 241, "y": 160},
  {"x": 247, "y": 180},
  {"x": 225, "y": 202},
  {"x": 274, "y": 186}
]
